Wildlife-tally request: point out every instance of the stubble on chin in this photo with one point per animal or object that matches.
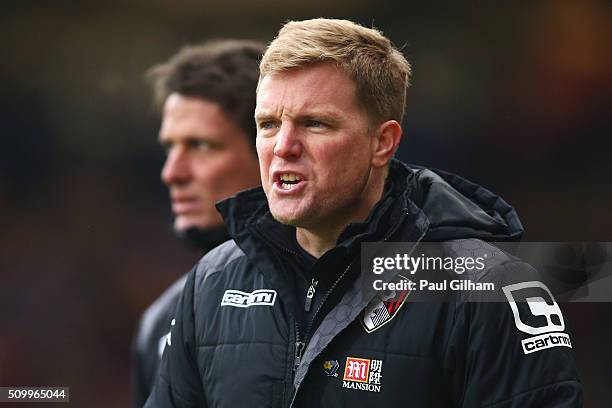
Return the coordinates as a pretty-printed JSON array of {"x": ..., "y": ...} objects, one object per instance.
[
  {"x": 286, "y": 219},
  {"x": 290, "y": 218}
]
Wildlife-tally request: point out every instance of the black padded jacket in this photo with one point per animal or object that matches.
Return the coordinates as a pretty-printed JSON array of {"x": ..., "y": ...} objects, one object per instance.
[{"x": 238, "y": 342}]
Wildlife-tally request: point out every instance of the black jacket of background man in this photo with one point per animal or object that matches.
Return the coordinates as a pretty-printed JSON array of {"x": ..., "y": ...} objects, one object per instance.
[
  {"x": 245, "y": 335},
  {"x": 150, "y": 340},
  {"x": 150, "y": 337}
]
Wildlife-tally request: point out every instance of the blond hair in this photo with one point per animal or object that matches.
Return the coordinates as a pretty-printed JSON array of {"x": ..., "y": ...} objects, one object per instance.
[{"x": 378, "y": 69}]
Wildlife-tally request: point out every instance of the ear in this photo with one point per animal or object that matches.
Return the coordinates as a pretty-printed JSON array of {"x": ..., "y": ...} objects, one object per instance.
[{"x": 386, "y": 140}]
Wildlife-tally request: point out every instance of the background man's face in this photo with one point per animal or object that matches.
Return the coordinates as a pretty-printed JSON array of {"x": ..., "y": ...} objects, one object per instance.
[
  {"x": 208, "y": 159},
  {"x": 313, "y": 146}
]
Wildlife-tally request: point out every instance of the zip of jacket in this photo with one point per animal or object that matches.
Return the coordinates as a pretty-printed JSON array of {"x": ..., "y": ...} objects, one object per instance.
[{"x": 304, "y": 344}]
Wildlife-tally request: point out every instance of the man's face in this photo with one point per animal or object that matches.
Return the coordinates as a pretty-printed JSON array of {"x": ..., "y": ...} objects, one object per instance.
[
  {"x": 314, "y": 147},
  {"x": 208, "y": 159}
]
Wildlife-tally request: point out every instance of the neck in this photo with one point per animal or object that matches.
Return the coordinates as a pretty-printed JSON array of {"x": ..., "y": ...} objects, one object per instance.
[{"x": 316, "y": 243}]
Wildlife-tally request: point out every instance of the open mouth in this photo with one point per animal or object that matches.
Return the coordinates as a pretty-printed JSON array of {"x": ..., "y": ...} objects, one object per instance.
[{"x": 288, "y": 181}]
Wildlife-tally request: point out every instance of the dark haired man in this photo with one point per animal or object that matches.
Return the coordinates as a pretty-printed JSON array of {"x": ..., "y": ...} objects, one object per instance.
[{"x": 206, "y": 96}]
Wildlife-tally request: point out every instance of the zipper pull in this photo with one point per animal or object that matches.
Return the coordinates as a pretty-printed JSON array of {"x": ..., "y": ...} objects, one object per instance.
[
  {"x": 310, "y": 294},
  {"x": 299, "y": 349}
]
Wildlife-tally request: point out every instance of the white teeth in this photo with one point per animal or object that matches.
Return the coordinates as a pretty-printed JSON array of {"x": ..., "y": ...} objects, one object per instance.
[{"x": 286, "y": 186}]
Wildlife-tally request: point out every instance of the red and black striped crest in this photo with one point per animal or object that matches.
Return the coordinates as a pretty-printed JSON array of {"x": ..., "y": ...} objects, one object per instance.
[{"x": 384, "y": 307}]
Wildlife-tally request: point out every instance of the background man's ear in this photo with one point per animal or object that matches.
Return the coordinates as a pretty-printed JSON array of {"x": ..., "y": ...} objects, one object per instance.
[{"x": 387, "y": 139}]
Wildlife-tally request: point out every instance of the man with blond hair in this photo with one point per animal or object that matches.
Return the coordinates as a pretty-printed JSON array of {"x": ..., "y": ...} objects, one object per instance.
[{"x": 283, "y": 315}]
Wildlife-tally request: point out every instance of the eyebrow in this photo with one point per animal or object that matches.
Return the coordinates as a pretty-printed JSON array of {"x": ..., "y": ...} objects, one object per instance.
[
  {"x": 263, "y": 115},
  {"x": 326, "y": 115}
]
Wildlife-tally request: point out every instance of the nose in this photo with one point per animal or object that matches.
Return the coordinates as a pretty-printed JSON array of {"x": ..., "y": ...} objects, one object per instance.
[
  {"x": 176, "y": 169},
  {"x": 288, "y": 145}
]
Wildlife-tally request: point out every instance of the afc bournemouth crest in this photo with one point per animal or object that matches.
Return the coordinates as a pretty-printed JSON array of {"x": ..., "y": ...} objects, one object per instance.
[
  {"x": 362, "y": 374},
  {"x": 384, "y": 307}
]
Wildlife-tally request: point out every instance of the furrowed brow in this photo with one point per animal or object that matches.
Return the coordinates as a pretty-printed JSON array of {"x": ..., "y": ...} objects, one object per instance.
[{"x": 261, "y": 116}]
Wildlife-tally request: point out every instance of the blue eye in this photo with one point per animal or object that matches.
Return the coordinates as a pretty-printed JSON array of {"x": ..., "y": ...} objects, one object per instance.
[{"x": 266, "y": 125}]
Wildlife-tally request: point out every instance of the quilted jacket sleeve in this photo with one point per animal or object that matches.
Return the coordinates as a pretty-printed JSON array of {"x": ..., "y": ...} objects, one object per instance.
[
  {"x": 514, "y": 352},
  {"x": 178, "y": 383}
]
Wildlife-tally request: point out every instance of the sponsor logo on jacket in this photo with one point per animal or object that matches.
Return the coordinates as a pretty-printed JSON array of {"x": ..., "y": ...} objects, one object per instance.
[
  {"x": 362, "y": 374},
  {"x": 259, "y": 297},
  {"x": 542, "y": 307}
]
